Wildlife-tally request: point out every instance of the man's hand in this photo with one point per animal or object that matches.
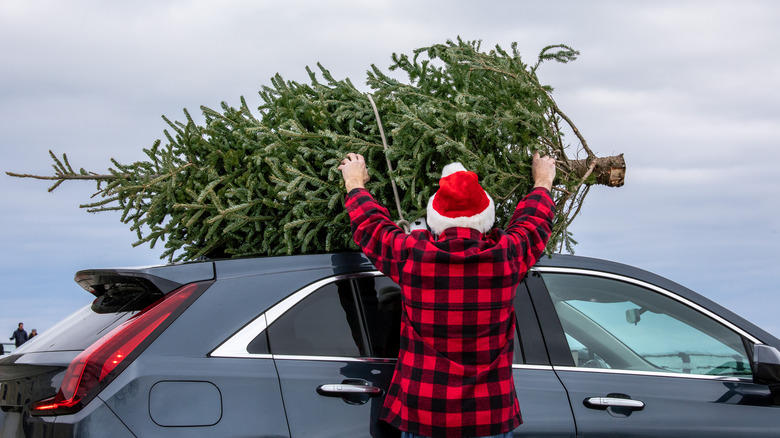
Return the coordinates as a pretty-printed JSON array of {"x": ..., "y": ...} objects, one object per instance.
[
  {"x": 353, "y": 169},
  {"x": 543, "y": 170}
]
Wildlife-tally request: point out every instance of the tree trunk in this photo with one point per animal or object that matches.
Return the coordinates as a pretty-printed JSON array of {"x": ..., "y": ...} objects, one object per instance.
[{"x": 605, "y": 171}]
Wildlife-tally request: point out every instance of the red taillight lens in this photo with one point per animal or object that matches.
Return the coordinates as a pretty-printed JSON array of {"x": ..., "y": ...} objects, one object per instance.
[{"x": 99, "y": 364}]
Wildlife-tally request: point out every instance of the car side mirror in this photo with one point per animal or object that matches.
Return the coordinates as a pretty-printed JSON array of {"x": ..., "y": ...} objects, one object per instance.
[{"x": 766, "y": 369}]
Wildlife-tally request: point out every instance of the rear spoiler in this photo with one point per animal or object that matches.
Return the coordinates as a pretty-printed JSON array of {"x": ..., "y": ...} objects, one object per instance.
[{"x": 132, "y": 289}]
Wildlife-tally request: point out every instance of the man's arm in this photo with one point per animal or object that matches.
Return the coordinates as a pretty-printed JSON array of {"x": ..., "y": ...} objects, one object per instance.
[
  {"x": 531, "y": 224},
  {"x": 372, "y": 229}
]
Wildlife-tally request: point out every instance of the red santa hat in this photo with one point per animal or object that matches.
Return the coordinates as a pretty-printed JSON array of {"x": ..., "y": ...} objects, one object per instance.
[{"x": 460, "y": 202}]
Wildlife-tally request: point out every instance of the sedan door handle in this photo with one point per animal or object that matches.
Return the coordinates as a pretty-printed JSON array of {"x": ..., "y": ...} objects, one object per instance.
[
  {"x": 340, "y": 389},
  {"x": 613, "y": 402}
]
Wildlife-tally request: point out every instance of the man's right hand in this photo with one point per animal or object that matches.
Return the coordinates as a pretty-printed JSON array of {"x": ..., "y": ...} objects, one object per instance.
[{"x": 543, "y": 171}]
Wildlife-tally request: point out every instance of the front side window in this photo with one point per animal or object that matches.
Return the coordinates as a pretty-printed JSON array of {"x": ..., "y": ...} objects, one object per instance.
[{"x": 618, "y": 325}]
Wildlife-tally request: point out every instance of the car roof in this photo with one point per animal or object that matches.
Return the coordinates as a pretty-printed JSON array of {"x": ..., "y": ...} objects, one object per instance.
[{"x": 349, "y": 262}]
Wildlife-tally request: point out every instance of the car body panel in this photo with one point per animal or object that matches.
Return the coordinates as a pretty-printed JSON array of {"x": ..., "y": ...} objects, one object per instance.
[
  {"x": 311, "y": 413},
  {"x": 543, "y": 403},
  {"x": 248, "y": 392},
  {"x": 673, "y": 406}
]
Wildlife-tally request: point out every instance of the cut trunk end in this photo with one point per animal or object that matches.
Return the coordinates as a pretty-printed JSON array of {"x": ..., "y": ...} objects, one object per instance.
[{"x": 607, "y": 171}]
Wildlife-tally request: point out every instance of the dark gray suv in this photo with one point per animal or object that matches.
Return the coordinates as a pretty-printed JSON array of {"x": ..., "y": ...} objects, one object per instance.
[{"x": 306, "y": 345}]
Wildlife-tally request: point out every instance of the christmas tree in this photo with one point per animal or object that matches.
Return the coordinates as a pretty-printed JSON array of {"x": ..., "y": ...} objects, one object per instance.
[{"x": 266, "y": 183}]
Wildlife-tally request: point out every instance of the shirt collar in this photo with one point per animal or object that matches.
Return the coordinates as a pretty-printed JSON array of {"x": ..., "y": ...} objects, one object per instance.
[{"x": 459, "y": 233}]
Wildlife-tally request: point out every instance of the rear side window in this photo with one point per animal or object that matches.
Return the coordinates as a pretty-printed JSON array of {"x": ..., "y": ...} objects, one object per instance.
[
  {"x": 358, "y": 317},
  {"x": 76, "y": 332},
  {"x": 326, "y": 323}
]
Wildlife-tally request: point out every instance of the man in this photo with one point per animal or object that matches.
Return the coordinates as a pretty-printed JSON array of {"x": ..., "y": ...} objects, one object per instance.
[
  {"x": 19, "y": 335},
  {"x": 453, "y": 377}
]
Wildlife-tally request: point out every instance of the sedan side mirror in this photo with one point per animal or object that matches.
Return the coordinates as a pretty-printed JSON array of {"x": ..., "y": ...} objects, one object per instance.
[{"x": 766, "y": 360}]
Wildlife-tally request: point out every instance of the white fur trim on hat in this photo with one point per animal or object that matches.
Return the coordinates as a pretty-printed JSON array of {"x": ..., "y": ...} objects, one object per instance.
[
  {"x": 452, "y": 168},
  {"x": 482, "y": 222}
]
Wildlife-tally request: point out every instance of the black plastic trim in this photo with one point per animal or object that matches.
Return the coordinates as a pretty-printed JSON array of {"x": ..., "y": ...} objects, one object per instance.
[
  {"x": 529, "y": 334},
  {"x": 552, "y": 330}
]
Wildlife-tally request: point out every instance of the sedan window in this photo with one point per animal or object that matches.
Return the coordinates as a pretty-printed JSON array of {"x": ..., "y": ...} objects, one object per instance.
[
  {"x": 351, "y": 317},
  {"x": 615, "y": 324},
  {"x": 325, "y": 323}
]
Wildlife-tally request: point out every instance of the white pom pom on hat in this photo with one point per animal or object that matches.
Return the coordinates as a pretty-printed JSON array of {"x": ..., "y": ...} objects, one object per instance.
[{"x": 460, "y": 202}]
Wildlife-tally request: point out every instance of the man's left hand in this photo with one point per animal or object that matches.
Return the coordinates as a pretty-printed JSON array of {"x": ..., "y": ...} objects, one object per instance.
[{"x": 353, "y": 170}]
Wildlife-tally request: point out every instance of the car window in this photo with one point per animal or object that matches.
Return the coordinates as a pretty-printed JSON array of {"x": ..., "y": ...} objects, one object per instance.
[
  {"x": 325, "y": 323},
  {"x": 614, "y": 324},
  {"x": 76, "y": 332}
]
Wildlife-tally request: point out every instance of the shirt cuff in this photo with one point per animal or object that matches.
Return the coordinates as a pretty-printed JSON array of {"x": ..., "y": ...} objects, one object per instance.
[
  {"x": 544, "y": 189},
  {"x": 355, "y": 192}
]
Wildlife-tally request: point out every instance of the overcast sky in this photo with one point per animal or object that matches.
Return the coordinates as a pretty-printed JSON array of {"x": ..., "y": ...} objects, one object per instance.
[{"x": 689, "y": 91}]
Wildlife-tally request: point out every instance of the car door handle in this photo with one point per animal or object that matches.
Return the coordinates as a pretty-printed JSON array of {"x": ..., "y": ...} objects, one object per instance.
[
  {"x": 613, "y": 402},
  {"x": 339, "y": 389}
]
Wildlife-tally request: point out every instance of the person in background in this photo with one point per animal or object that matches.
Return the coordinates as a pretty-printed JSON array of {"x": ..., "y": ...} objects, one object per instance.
[
  {"x": 33, "y": 333},
  {"x": 19, "y": 335}
]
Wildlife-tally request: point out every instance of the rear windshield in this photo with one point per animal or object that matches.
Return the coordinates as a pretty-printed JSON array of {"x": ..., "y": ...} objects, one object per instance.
[{"x": 76, "y": 332}]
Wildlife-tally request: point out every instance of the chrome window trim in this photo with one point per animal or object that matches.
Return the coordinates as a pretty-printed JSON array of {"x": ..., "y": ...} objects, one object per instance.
[
  {"x": 654, "y": 288},
  {"x": 333, "y": 358},
  {"x": 236, "y": 345},
  {"x": 520, "y": 366},
  {"x": 654, "y": 374}
]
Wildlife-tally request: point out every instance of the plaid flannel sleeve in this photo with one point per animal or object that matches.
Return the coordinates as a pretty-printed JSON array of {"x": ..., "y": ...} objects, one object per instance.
[
  {"x": 375, "y": 233},
  {"x": 531, "y": 226}
]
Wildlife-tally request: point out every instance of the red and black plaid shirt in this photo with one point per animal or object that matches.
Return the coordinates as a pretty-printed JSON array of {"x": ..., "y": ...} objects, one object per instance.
[{"x": 454, "y": 372}]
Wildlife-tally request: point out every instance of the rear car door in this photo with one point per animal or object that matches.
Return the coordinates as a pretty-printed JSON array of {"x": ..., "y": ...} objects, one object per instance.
[
  {"x": 640, "y": 360},
  {"x": 334, "y": 343}
]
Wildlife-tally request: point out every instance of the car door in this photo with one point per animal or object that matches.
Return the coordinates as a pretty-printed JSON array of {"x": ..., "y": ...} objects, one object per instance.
[
  {"x": 639, "y": 360},
  {"x": 333, "y": 374}
]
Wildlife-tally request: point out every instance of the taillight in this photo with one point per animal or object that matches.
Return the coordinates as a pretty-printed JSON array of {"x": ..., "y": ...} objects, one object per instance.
[{"x": 99, "y": 364}]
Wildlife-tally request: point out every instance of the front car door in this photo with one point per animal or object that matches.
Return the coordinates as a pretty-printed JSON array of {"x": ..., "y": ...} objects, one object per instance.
[{"x": 640, "y": 360}]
